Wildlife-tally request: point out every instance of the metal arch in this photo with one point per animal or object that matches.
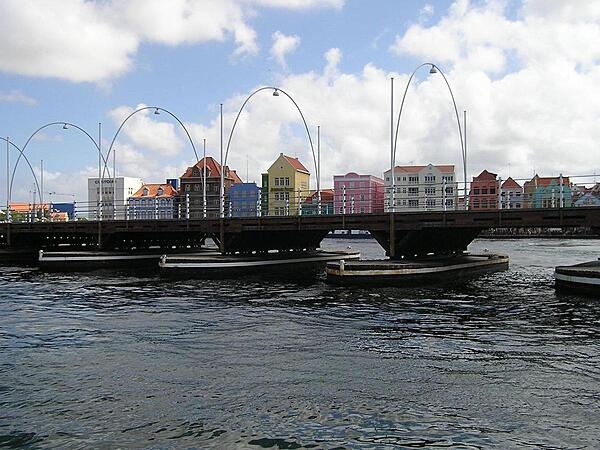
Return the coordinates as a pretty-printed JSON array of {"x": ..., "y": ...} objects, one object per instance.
[
  {"x": 22, "y": 152},
  {"x": 9, "y": 194},
  {"x": 137, "y": 111},
  {"x": 297, "y": 107},
  {"x": 462, "y": 146}
]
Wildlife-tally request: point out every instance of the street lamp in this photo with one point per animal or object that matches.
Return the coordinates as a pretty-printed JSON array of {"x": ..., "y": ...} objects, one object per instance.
[
  {"x": 157, "y": 110},
  {"x": 8, "y": 185},
  {"x": 276, "y": 92},
  {"x": 463, "y": 145},
  {"x": 65, "y": 126}
]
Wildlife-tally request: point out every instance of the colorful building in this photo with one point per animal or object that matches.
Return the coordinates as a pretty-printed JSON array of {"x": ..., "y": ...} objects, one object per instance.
[
  {"x": 243, "y": 200},
  {"x": 110, "y": 202},
  {"x": 422, "y": 188},
  {"x": 357, "y": 194},
  {"x": 511, "y": 194},
  {"x": 547, "y": 192},
  {"x": 191, "y": 193},
  {"x": 310, "y": 205},
  {"x": 284, "y": 185},
  {"x": 154, "y": 201},
  {"x": 483, "y": 194}
]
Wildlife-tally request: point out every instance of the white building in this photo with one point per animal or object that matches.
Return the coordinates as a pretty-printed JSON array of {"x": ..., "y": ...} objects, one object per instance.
[
  {"x": 101, "y": 202},
  {"x": 422, "y": 188}
]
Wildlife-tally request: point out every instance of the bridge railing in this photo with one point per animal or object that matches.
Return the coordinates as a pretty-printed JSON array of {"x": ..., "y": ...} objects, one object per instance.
[{"x": 355, "y": 197}]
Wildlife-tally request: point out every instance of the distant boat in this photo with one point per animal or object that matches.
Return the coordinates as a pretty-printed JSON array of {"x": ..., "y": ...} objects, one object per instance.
[{"x": 581, "y": 278}]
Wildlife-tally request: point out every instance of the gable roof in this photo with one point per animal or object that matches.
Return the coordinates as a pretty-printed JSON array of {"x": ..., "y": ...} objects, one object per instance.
[
  {"x": 510, "y": 184},
  {"x": 416, "y": 169},
  {"x": 485, "y": 175},
  {"x": 296, "y": 164},
  {"x": 168, "y": 190},
  {"x": 213, "y": 170}
]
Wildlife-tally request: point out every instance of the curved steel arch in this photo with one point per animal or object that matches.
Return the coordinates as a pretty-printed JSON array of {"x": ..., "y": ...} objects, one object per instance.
[
  {"x": 462, "y": 144},
  {"x": 156, "y": 108},
  {"x": 274, "y": 89},
  {"x": 22, "y": 152},
  {"x": 9, "y": 193}
]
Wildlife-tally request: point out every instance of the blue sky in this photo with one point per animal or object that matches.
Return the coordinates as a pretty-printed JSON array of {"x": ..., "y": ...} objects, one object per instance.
[{"x": 525, "y": 71}]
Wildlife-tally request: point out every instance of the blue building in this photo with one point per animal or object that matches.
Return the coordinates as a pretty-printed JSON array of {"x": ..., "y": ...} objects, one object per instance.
[
  {"x": 588, "y": 199},
  {"x": 243, "y": 200}
]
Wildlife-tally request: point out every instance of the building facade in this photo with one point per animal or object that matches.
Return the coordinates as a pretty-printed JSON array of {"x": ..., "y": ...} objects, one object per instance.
[
  {"x": 310, "y": 205},
  {"x": 191, "y": 191},
  {"x": 243, "y": 200},
  {"x": 547, "y": 192},
  {"x": 154, "y": 201},
  {"x": 421, "y": 188},
  {"x": 358, "y": 194},
  {"x": 284, "y": 186},
  {"x": 110, "y": 201},
  {"x": 511, "y": 194},
  {"x": 483, "y": 194}
]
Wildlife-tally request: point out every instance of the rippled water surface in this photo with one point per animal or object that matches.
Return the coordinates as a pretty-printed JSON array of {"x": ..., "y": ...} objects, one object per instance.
[{"x": 110, "y": 360}]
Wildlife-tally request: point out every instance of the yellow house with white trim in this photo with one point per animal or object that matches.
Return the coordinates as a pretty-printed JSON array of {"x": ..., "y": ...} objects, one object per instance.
[{"x": 284, "y": 186}]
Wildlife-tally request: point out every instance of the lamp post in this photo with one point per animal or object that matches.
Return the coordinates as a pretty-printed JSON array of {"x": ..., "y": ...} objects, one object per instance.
[
  {"x": 276, "y": 92},
  {"x": 463, "y": 147},
  {"x": 157, "y": 110},
  {"x": 65, "y": 126}
]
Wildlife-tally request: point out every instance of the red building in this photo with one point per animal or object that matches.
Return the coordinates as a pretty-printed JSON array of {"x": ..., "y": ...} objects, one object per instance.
[{"x": 484, "y": 192}]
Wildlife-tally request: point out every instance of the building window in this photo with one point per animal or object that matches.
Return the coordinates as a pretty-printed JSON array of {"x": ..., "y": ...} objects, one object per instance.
[
  {"x": 413, "y": 203},
  {"x": 287, "y": 181},
  {"x": 413, "y": 180},
  {"x": 145, "y": 192},
  {"x": 430, "y": 190},
  {"x": 413, "y": 191},
  {"x": 429, "y": 178},
  {"x": 431, "y": 202}
]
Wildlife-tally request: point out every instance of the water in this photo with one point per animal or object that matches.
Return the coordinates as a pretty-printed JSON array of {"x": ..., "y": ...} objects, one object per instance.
[{"x": 117, "y": 361}]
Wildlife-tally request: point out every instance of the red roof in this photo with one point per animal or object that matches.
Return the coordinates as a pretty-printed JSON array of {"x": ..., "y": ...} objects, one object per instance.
[
  {"x": 485, "y": 175},
  {"x": 296, "y": 164},
  {"x": 510, "y": 183},
  {"x": 168, "y": 190},
  {"x": 326, "y": 196},
  {"x": 213, "y": 170},
  {"x": 545, "y": 181}
]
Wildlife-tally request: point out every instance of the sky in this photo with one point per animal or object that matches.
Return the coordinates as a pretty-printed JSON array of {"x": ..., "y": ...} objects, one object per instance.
[{"x": 527, "y": 73}]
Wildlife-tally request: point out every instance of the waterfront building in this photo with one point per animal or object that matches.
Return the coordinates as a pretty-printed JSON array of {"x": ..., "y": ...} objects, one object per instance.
[
  {"x": 110, "y": 202},
  {"x": 310, "y": 205},
  {"x": 483, "y": 194},
  {"x": 422, "y": 188},
  {"x": 547, "y": 192},
  {"x": 286, "y": 182},
  {"x": 587, "y": 199},
  {"x": 243, "y": 200},
  {"x": 154, "y": 201},
  {"x": 357, "y": 194},
  {"x": 191, "y": 192},
  {"x": 511, "y": 194}
]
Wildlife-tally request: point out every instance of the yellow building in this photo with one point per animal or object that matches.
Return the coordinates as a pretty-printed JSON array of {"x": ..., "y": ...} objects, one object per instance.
[{"x": 284, "y": 186}]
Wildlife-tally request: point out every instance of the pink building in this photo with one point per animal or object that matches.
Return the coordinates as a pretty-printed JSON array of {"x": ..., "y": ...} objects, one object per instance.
[{"x": 363, "y": 194}]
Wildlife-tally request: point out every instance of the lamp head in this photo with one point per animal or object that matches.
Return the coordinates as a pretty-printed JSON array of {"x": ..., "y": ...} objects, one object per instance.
[
  {"x": 156, "y": 111},
  {"x": 275, "y": 93},
  {"x": 65, "y": 127},
  {"x": 433, "y": 69}
]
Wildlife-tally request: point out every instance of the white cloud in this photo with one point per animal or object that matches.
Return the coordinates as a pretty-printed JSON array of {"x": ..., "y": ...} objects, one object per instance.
[
  {"x": 17, "y": 97},
  {"x": 426, "y": 12},
  {"x": 144, "y": 129},
  {"x": 282, "y": 46},
  {"x": 84, "y": 41}
]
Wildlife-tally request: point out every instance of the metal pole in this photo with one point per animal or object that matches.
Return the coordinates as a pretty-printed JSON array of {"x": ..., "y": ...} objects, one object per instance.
[
  {"x": 99, "y": 200},
  {"x": 114, "y": 184},
  {"x": 319, "y": 207},
  {"x": 392, "y": 159},
  {"x": 465, "y": 157},
  {"x": 7, "y": 214},
  {"x": 204, "y": 180},
  {"x": 42, "y": 187},
  {"x": 222, "y": 193}
]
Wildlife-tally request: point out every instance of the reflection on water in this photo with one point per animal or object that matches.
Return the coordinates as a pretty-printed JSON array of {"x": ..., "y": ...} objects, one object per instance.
[{"x": 111, "y": 360}]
